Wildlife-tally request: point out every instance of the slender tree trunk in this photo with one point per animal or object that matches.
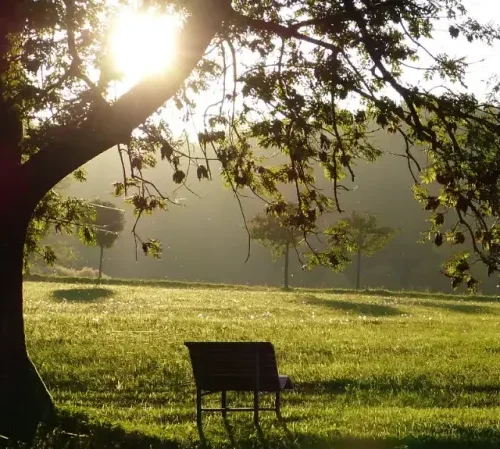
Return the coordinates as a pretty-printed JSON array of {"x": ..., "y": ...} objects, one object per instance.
[
  {"x": 358, "y": 271},
  {"x": 24, "y": 400},
  {"x": 100, "y": 263},
  {"x": 287, "y": 257}
]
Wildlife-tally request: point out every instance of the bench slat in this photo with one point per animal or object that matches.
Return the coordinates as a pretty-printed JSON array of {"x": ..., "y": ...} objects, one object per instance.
[
  {"x": 236, "y": 366},
  {"x": 232, "y": 366}
]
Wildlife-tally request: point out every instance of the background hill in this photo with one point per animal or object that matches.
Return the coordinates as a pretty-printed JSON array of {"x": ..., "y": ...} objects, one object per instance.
[{"x": 204, "y": 238}]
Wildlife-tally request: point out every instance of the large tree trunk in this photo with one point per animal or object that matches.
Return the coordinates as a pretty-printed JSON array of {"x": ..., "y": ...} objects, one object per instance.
[{"x": 24, "y": 400}]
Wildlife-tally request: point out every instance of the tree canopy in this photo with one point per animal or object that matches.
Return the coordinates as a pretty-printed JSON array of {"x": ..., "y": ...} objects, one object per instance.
[
  {"x": 109, "y": 223},
  {"x": 271, "y": 233},
  {"x": 365, "y": 235},
  {"x": 309, "y": 79},
  {"x": 359, "y": 234}
]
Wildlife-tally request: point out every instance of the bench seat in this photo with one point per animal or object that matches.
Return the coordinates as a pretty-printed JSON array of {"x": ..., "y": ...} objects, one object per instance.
[{"x": 236, "y": 366}]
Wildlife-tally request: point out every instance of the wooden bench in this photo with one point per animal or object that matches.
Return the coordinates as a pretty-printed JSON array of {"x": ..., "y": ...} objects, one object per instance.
[{"x": 236, "y": 366}]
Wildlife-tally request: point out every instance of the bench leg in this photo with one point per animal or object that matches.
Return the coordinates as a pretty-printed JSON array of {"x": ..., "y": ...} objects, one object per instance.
[
  {"x": 277, "y": 403},
  {"x": 223, "y": 402},
  {"x": 198, "y": 406},
  {"x": 256, "y": 407}
]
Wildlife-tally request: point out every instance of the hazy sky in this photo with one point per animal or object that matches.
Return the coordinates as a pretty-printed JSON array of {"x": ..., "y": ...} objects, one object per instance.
[
  {"x": 483, "y": 59},
  {"x": 485, "y": 11},
  {"x": 480, "y": 71}
]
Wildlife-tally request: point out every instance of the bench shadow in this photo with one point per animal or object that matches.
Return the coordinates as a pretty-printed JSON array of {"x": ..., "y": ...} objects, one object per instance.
[
  {"x": 360, "y": 308},
  {"x": 463, "y": 437},
  {"x": 261, "y": 437},
  {"x": 229, "y": 431},
  {"x": 82, "y": 294},
  {"x": 73, "y": 431},
  {"x": 263, "y": 440}
]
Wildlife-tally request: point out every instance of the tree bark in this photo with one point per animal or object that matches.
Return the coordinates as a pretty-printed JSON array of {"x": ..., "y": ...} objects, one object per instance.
[
  {"x": 287, "y": 257},
  {"x": 358, "y": 271},
  {"x": 100, "y": 262},
  {"x": 24, "y": 400}
]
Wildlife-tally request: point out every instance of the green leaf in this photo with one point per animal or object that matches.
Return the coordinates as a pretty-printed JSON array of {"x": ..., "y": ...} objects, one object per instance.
[
  {"x": 178, "y": 176},
  {"x": 439, "y": 219},
  {"x": 152, "y": 247},
  {"x": 167, "y": 151},
  {"x": 432, "y": 203},
  {"x": 458, "y": 238},
  {"x": 472, "y": 284},
  {"x": 80, "y": 175},
  {"x": 119, "y": 189},
  {"x": 49, "y": 255},
  {"x": 87, "y": 235},
  {"x": 454, "y": 31},
  {"x": 202, "y": 172}
]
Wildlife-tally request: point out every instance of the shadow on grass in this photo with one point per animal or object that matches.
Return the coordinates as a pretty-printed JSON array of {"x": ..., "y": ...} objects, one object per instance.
[
  {"x": 74, "y": 432},
  {"x": 82, "y": 294},
  {"x": 158, "y": 283},
  {"x": 417, "y": 295},
  {"x": 469, "y": 309},
  {"x": 418, "y": 384},
  {"x": 482, "y": 441},
  {"x": 359, "y": 308},
  {"x": 206, "y": 285}
]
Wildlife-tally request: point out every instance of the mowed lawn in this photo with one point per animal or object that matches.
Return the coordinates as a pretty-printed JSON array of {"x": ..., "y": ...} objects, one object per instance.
[{"x": 396, "y": 371}]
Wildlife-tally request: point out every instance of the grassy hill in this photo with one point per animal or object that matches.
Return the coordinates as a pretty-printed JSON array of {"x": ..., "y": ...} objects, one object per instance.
[{"x": 372, "y": 371}]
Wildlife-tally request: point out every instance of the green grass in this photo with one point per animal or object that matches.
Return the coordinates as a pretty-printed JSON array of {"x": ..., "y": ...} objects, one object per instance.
[{"x": 372, "y": 371}]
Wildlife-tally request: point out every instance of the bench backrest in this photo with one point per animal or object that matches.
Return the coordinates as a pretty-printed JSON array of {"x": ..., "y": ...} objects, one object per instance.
[{"x": 234, "y": 366}]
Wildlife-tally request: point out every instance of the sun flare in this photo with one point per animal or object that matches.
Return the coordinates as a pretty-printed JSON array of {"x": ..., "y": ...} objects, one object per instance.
[{"x": 144, "y": 43}]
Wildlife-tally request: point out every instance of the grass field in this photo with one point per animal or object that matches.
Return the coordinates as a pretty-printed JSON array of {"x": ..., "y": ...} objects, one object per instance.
[{"x": 372, "y": 371}]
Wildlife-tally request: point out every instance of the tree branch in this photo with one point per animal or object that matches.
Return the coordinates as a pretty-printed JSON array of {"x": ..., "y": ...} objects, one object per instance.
[
  {"x": 282, "y": 31},
  {"x": 107, "y": 126}
]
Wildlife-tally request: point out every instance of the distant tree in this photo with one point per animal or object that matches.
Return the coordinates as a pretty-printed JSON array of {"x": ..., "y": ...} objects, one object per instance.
[
  {"x": 359, "y": 234},
  {"x": 274, "y": 233},
  {"x": 109, "y": 223},
  {"x": 42, "y": 230},
  {"x": 66, "y": 255}
]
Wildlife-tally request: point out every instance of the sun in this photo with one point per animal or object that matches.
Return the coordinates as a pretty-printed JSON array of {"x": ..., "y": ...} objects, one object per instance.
[{"x": 144, "y": 43}]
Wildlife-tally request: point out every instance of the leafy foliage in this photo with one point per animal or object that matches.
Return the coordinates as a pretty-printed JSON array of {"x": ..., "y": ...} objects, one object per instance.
[
  {"x": 362, "y": 233},
  {"x": 359, "y": 233},
  {"x": 272, "y": 232},
  {"x": 108, "y": 224},
  {"x": 310, "y": 80},
  {"x": 60, "y": 214}
]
